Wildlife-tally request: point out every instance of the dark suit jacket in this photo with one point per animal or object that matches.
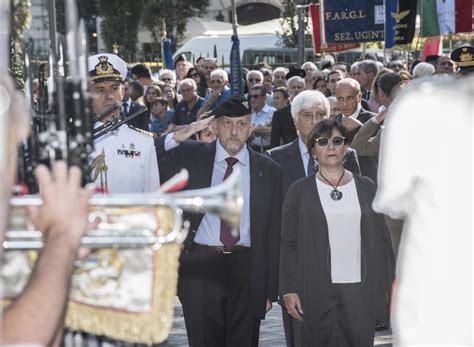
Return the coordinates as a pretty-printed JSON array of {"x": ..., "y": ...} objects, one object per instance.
[
  {"x": 283, "y": 127},
  {"x": 289, "y": 158},
  {"x": 368, "y": 165},
  {"x": 142, "y": 121},
  {"x": 305, "y": 253},
  {"x": 265, "y": 205}
]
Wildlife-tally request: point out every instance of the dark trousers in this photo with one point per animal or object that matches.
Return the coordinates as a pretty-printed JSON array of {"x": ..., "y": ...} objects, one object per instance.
[
  {"x": 346, "y": 322},
  {"x": 214, "y": 291}
]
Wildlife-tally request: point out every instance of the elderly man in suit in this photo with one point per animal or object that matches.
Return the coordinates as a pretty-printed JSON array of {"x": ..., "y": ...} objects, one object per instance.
[
  {"x": 227, "y": 283},
  {"x": 349, "y": 98},
  {"x": 308, "y": 108}
]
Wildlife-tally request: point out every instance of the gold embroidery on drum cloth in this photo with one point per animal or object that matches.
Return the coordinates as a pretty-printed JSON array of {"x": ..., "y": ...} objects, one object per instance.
[
  {"x": 149, "y": 327},
  {"x": 99, "y": 168}
]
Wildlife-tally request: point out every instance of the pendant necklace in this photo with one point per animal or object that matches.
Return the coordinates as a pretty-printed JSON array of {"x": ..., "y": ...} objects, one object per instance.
[{"x": 335, "y": 194}]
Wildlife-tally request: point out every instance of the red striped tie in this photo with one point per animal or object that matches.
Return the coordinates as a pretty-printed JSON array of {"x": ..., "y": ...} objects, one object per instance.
[{"x": 226, "y": 237}]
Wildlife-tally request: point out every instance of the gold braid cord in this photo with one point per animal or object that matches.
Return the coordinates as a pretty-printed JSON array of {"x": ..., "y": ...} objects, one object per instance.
[
  {"x": 99, "y": 169},
  {"x": 150, "y": 327}
]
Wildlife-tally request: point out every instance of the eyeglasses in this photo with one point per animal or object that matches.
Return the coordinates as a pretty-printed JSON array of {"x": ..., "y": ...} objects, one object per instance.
[
  {"x": 324, "y": 141},
  {"x": 254, "y": 80},
  {"x": 166, "y": 79},
  {"x": 216, "y": 81},
  {"x": 255, "y": 96}
]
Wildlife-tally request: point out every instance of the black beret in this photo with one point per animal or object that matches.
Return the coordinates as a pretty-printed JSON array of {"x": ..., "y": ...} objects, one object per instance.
[
  {"x": 464, "y": 57},
  {"x": 235, "y": 106},
  {"x": 295, "y": 72},
  {"x": 179, "y": 58}
]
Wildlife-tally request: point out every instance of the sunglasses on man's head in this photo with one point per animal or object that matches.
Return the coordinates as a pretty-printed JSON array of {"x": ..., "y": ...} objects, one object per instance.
[{"x": 324, "y": 141}]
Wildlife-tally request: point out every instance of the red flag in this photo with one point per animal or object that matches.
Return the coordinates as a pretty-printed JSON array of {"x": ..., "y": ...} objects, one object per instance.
[
  {"x": 463, "y": 16},
  {"x": 432, "y": 47},
  {"x": 314, "y": 11}
]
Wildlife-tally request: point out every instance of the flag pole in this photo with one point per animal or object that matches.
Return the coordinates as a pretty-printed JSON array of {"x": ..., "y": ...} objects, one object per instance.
[{"x": 235, "y": 63}]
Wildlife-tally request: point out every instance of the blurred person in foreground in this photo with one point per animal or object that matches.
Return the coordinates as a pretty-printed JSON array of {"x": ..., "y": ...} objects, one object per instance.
[
  {"x": 432, "y": 301},
  {"x": 36, "y": 316},
  {"x": 335, "y": 259}
]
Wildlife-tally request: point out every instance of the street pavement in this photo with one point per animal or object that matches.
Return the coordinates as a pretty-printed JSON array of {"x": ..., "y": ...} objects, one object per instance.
[{"x": 271, "y": 330}]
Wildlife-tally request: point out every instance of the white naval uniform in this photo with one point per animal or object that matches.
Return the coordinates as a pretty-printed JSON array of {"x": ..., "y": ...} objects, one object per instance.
[{"x": 131, "y": 160}]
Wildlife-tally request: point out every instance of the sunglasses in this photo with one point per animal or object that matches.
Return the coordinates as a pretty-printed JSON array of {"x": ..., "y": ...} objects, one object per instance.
[
  {"x": 166, "y": 79},
  {"x": 324, "y": 141}
]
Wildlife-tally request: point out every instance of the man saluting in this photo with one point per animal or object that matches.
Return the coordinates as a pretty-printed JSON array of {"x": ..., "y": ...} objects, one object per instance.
[{"x": 227, "y": 283}]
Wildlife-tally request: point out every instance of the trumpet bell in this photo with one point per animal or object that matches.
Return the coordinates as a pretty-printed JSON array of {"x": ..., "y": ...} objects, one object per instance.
[{"x": 126, "y": 288}]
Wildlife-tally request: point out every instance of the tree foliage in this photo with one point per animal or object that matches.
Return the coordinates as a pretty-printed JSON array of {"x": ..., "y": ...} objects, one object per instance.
[
  {"x": 20, "y": 18},
  {"x": 289, "y": 24},
  {"x": 120, "y": 25},
  {"x": 174, "y": 14}
]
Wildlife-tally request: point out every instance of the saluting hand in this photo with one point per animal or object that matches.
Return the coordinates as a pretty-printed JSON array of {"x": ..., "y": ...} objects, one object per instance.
[{"x": 189, "y": 130}]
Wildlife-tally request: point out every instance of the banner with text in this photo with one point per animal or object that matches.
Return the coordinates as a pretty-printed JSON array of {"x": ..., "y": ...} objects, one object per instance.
[
  {"x": 318, "y": 47},
  {"x": 352, "y": 21}
]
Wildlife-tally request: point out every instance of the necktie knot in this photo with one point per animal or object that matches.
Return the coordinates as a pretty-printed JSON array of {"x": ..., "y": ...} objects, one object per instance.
[{"x": 231, "y": 161}]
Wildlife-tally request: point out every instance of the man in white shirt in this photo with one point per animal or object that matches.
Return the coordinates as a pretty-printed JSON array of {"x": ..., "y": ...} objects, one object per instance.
[
  {"x": 261, "y": 116},
  {"x": 124, "y": 160}
]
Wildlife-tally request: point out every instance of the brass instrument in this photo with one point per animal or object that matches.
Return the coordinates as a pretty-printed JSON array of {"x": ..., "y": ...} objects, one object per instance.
[
  {"x": 126, "y": 288},
  {"x": 119, "y": 224}
]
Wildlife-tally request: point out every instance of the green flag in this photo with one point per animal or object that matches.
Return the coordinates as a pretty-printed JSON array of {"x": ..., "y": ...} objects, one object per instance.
[{"x": 429, "y": 19}]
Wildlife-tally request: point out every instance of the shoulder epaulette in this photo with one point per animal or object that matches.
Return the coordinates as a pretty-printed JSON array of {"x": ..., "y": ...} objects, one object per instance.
[{"x": 144, "y": 132}]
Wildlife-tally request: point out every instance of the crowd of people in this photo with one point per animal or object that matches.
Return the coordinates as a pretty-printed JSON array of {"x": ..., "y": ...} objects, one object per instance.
[{"x": 306, "y": 141}]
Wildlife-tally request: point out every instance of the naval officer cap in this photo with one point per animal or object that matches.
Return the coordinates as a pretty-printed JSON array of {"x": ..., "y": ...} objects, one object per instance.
[
  {"x": 464, "y": 58},
  {"x": 235, "y": 106},
  {"x": 106, "y": 67}
]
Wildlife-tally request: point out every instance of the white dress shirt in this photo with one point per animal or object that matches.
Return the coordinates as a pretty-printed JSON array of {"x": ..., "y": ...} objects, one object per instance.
[
  {"x": 263, "y": 118},
  {"x": 356, "y": 113},
  {"x": 208, "y": 232}
]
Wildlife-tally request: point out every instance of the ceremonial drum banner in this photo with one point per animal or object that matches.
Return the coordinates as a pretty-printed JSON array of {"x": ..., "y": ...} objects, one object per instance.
[
  {"x": 126, "y": 295},
  {"x": 352, "y": 21}
]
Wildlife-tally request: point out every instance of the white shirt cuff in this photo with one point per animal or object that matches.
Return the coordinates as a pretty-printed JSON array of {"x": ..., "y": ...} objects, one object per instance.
[{"x": 170, "y": 142}]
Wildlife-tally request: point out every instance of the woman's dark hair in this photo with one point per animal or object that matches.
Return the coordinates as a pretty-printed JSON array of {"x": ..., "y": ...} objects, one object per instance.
[
  {"x": 159, "y": 94},
  {"x": 282, "y": 90},
  {"x": 202, "y": 87},
  {"x": 175, "y": 101},
  {"x": 325, "y": 128}
]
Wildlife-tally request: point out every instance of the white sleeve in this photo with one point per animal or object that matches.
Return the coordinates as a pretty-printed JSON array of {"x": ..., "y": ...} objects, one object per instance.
[
  {"x": 152, "y": 173},
  {"x": 399, "y": 158},
  {"x": 170, "y": 142}
]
